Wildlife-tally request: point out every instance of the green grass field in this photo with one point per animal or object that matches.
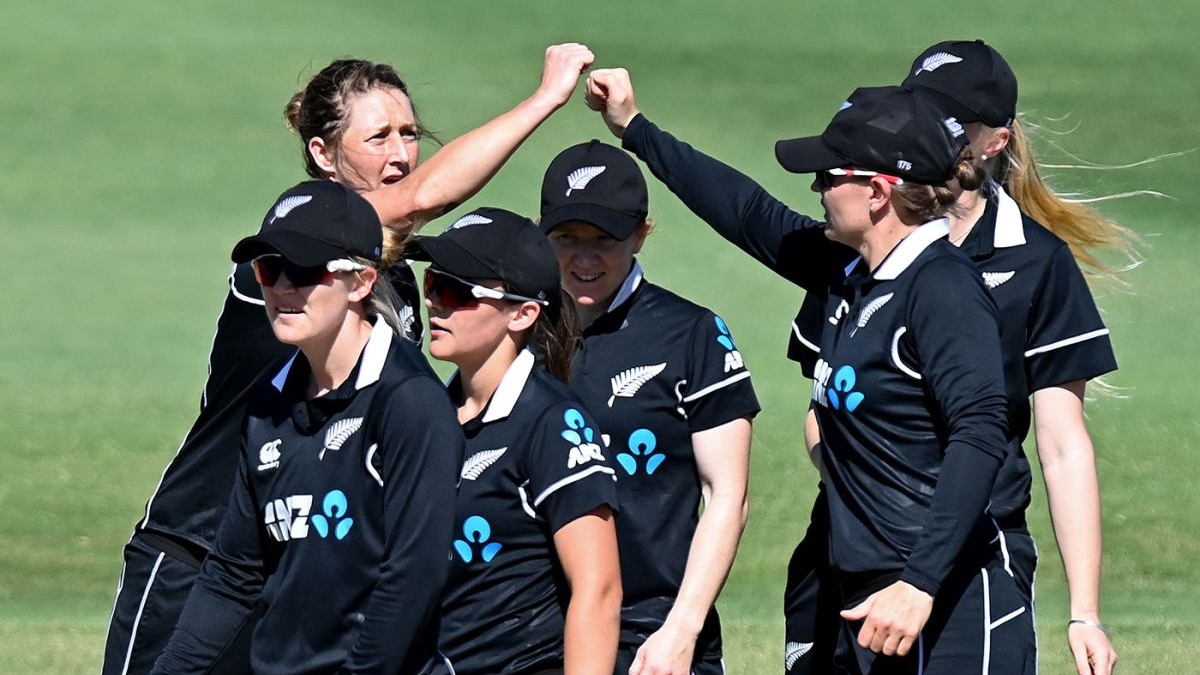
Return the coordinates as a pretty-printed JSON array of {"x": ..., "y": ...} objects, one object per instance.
[{"x": 142, "y": 139}]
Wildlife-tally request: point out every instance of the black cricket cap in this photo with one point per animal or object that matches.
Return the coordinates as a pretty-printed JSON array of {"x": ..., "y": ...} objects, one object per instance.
[
  {"x": 891, "y": 130},
  {"x": 313, "y": 223},
  {"x": 490, "y": 243},
  {"x": 978, "y": 82},
  {"x": 598, "y": 184}
]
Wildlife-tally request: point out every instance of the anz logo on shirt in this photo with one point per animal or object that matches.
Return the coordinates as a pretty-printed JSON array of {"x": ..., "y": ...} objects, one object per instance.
[
  {"x": 642, "y": 443},
  {"x": 733, "y": 358},
  {"x": 582, "y": 439},
  {"x": 476, "y": 532},
  {"x": 840, "y": 396},
  {"x": 288, "y": 518}
]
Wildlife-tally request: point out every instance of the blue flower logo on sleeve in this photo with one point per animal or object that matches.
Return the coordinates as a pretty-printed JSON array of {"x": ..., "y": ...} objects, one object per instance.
[
  {"x": 582, "y": 439},
  {"x": 335, "y": 508},
  {"x": 841, "y": 393},
  {"x": 476, "y": 531},
  {"x": 642, "y": 443},
  {"x": 733, "y": 358}
]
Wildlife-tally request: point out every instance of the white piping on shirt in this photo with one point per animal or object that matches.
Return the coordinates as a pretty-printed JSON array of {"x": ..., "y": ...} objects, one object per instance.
[
  {"x": 563, "y": 482},
  {"x": 713, "y": 387},
  {"x": 1067, "y": 342}
]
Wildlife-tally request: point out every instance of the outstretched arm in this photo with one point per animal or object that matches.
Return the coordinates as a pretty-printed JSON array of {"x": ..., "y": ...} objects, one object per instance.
[
  {"x": 1069, "y": 466},
  {"x": 466, "y": 164},
  {"x": 792, "y": 245}
]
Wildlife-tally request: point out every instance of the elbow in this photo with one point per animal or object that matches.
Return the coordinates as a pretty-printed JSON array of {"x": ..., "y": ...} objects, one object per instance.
[{"x": 600, "y": 599}]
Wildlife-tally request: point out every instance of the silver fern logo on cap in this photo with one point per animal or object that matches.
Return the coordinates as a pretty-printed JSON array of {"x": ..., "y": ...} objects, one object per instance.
[
  {"x": 469, "y": 220},
  {"x": 935, "y": 61},
  {"x": 287, "y": 204},
  {"x": 580, "y": 177}
]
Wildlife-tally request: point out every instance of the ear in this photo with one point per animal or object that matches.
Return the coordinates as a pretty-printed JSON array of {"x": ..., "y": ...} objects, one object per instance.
[
  {"x": 998, "y": 141},
  {"x": 364, "y": 281},
  {"x": 881, "y": 196},
  {"x": 322, "y": 154},
  {"x": 524, "y": 317}
]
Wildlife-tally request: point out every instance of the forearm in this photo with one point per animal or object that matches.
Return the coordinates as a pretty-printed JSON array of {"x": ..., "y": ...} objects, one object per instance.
[
  {"x": 592, "y": 629},
  {"x": 959, "y": 499},
  {"x": 710, "y": 558},
  {"x": 1074, "y": 496},
  {"x": 460, "y": 169}
]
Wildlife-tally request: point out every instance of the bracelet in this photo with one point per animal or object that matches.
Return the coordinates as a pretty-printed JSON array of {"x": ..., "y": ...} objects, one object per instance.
[{"x": 1090, "y": 624}]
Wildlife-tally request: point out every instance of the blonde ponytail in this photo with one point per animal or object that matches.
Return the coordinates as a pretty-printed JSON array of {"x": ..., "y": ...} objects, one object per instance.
[{"x": 1085, "y": 230}]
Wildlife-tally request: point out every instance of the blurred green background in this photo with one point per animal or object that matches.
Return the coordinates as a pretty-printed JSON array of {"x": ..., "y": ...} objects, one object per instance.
[{"x": 142, "y": 139}]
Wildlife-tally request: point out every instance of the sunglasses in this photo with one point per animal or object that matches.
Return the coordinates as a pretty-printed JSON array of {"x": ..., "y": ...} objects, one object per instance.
[
  {"x": 453, "y": 292},
  {"x": 268, "y": 268},
  {"x": 825, "y": 178}
]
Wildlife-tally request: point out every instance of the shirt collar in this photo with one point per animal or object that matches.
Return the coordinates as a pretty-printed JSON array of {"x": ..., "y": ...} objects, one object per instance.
[
  {"x": 628, "y": 287},
  {"x": 909, "y": 248},
  {"x": 504, "y": 399},
  {"x": 370, "y": 363},
  {"x": 1010, "y": 229}
]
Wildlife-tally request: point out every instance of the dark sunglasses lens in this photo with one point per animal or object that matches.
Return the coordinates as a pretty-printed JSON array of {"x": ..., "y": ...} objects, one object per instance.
[
  {"x": 449, "y": 292},
  {"x": 269, "y": 269}
]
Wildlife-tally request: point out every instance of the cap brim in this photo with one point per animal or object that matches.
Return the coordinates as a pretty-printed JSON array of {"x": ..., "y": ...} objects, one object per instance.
[
  {"x": 807, "y": 155},
  {"x": 449, "y": 256},
  {"x": 296, "y": 247},
  {"x": 617, "y": 224}
]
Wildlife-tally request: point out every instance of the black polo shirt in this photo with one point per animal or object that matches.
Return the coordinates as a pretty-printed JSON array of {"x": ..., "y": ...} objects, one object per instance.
[
  {"x": 655, "y": 369},
  {"x": 1051, "y": 330},
  {"x": 339, "y": 524},
  {"x": 909, "y": 373},
  {"x": 194, "y": 489},
  {"x": 535, "y": 462},
  {"x": 874, "y": 536}
]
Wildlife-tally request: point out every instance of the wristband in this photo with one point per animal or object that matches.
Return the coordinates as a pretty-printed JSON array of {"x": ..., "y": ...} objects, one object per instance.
[{"x": 1090, "y": 624}]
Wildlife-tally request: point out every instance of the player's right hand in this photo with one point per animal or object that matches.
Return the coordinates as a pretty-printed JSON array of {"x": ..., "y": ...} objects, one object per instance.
[
  {"x": 561, "y": 70},
  {"x": 610, "y": 92}
]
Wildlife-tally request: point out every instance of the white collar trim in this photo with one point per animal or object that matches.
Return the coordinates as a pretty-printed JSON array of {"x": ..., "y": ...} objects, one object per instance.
[
  {"x": 631, "y": 283},
  {"x": 374, "y": 354},
  {"x": 511, "y": 386},
  {"x": 373, "y": 357},
  {"x": 910, "y": 247},
  {"x": 1010, "y": 230}
]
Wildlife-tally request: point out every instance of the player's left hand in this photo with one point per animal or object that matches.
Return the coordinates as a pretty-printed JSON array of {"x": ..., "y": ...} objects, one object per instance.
[
  {"x": 892, "y": 618},
  {"x": 667, "y": 652},
  {"x": 1093, "y": 650}
]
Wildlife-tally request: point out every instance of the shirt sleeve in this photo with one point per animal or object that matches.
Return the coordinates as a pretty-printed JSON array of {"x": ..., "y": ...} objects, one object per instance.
[
  {"x": 804, "y": 343},
  {"x": 718, "y": 388},
  {"x": 422, "y": 447},
  {"x": 954, "y": 328},
  {"x": 226, "y": 589},
  {"x": 570, "y": 472},
  {"x": 792, "y": 245},
  {"x": 1067, "y": 339}
]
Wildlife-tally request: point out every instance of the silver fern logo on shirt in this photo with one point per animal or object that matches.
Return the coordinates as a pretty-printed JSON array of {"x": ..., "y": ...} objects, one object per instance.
[
  {"x": 793, "y": 651},
  {"x": 935, "y": 61},
  {"x": 287, "y": 205},
  {"x": 479, "y": 462},
  {"x": 626, "y": 384},
  {"x": 339, "y": 433},
  {"x": 869, "y": 311},
  {"x": 994, "y": 279},
  {"x": 579, "y": 178}
]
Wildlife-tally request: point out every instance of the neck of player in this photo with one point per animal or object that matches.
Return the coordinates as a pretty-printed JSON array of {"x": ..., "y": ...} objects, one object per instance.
[
  {"x": 332, "y": 357},
  {"x": 970, "y": 205},
  {"x": 481, "y": 377}
]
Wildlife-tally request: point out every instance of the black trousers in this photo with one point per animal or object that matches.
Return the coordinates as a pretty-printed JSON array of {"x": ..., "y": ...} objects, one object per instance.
[
  {"x": 158, "y": 575},
  {"x": 810, "y": 601}
]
